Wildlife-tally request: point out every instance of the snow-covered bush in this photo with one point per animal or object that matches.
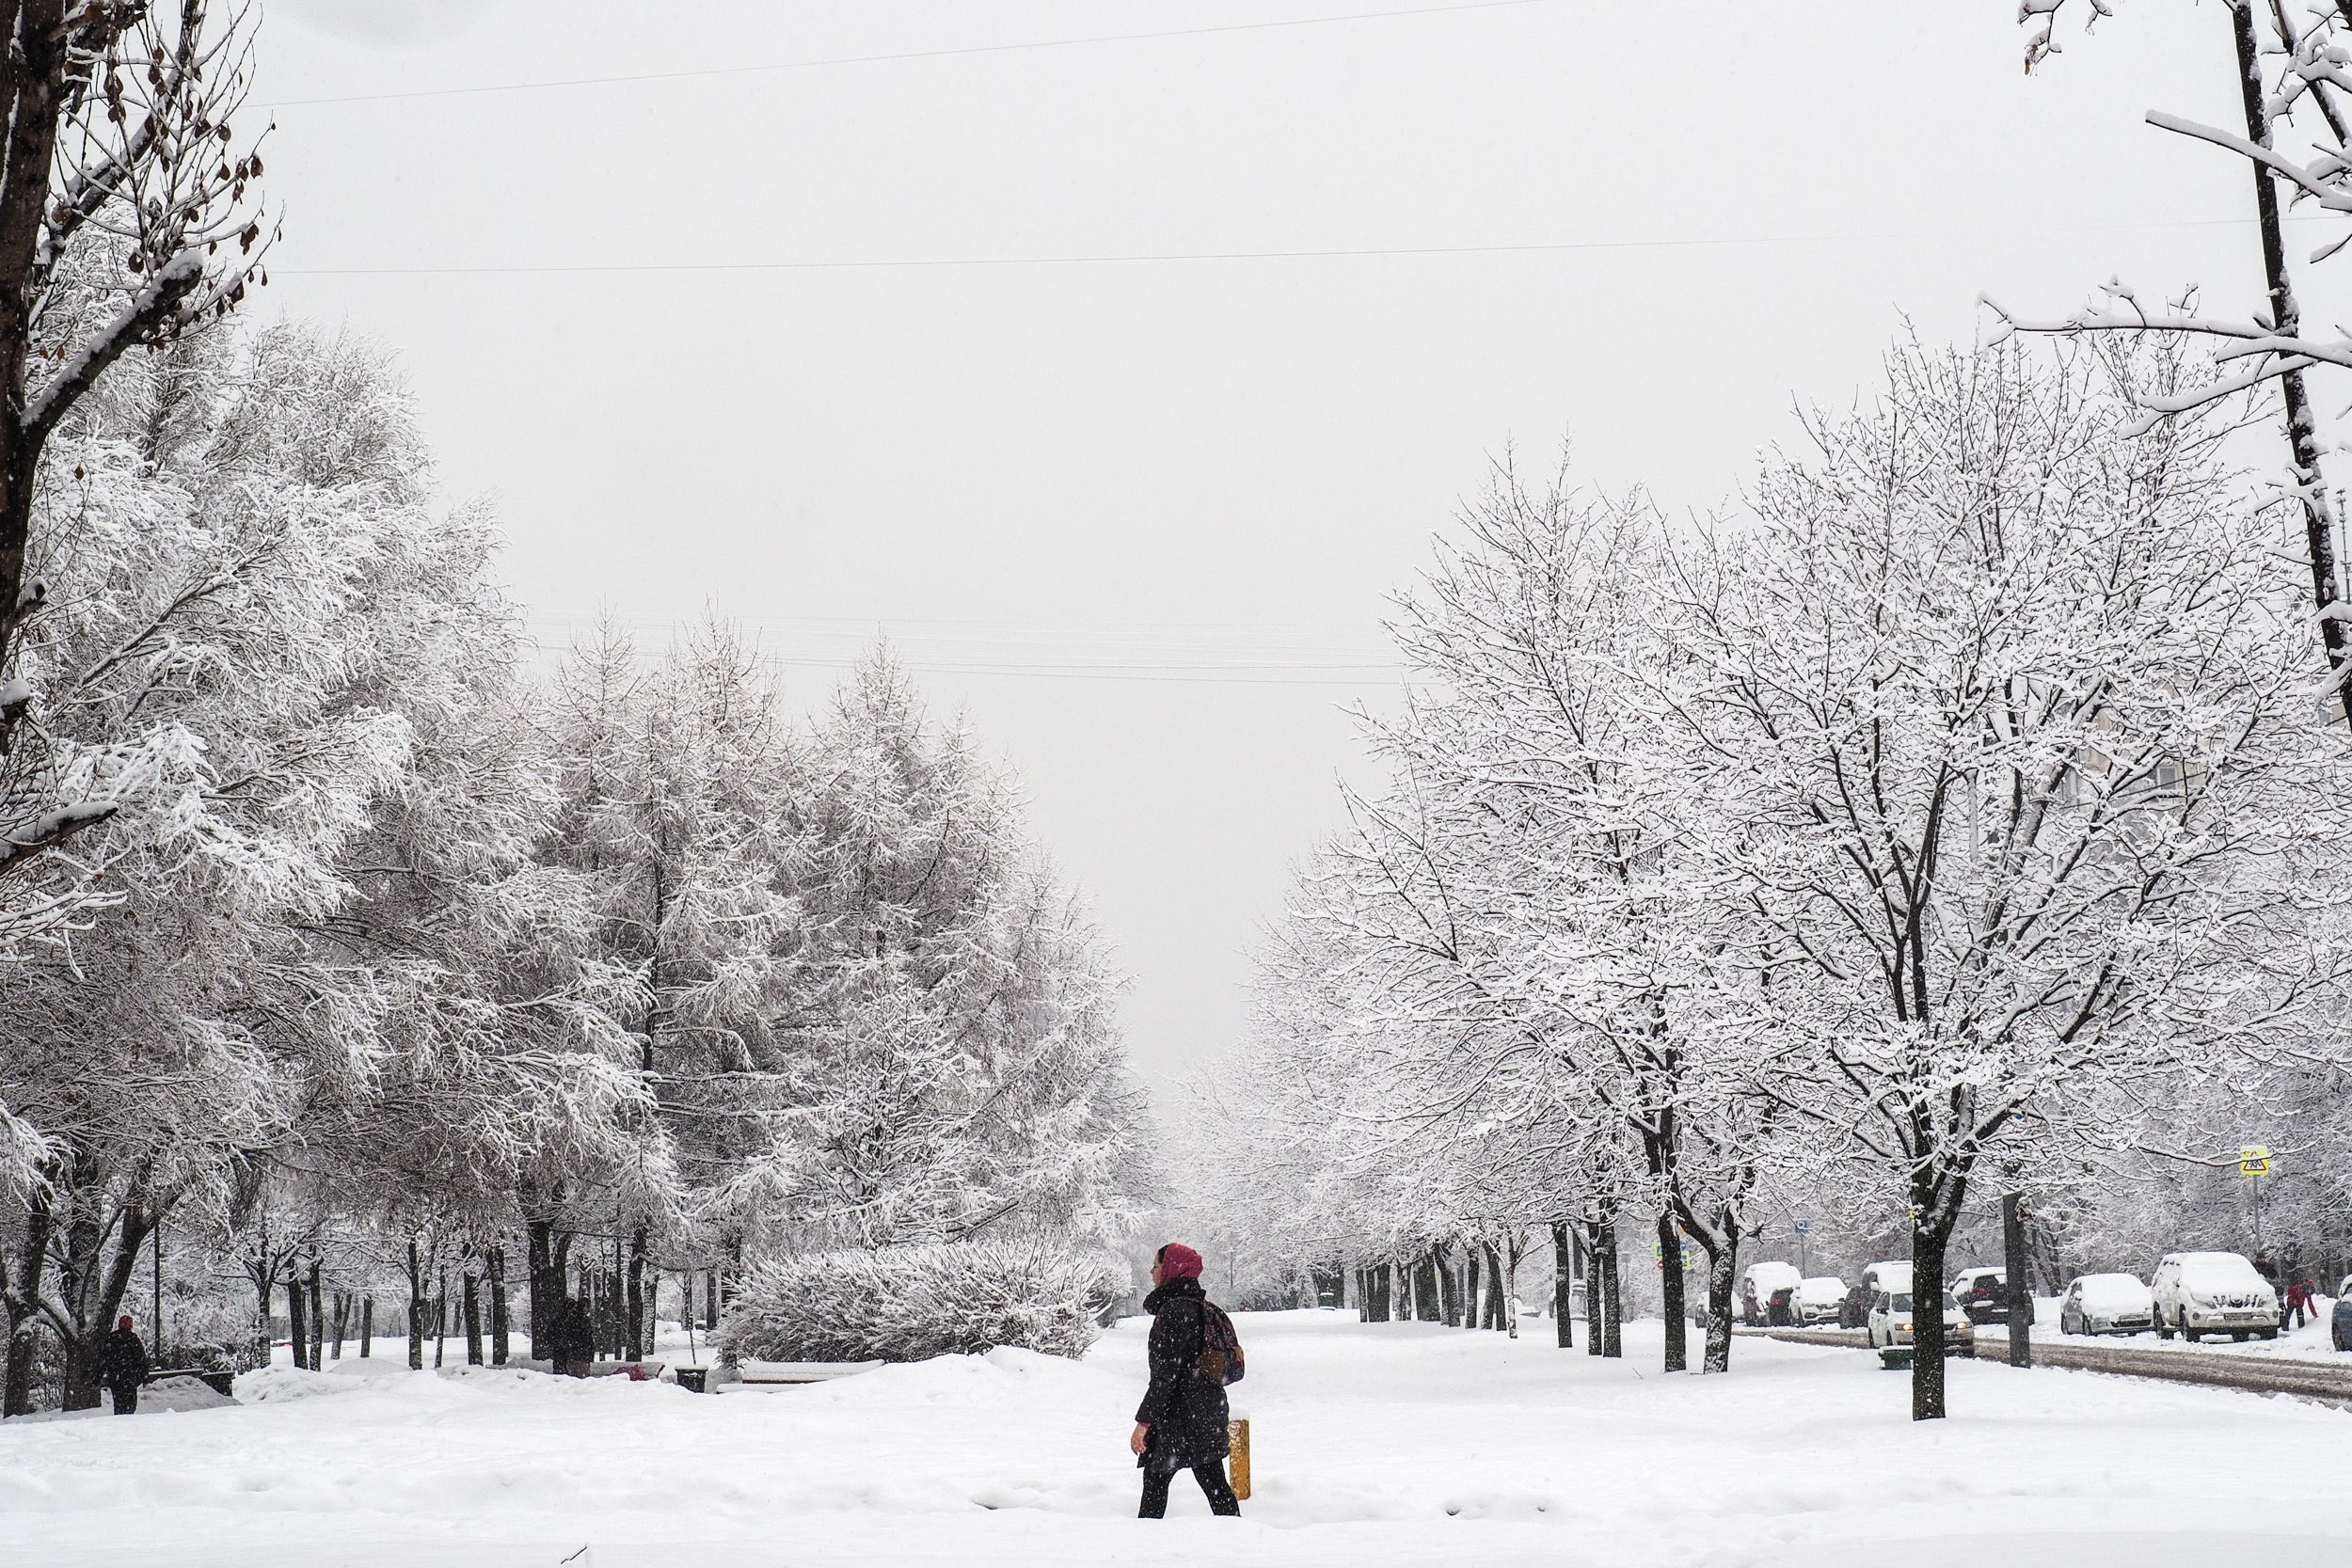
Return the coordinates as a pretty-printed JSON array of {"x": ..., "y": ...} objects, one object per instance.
[{"x": 907, "y": 1303}]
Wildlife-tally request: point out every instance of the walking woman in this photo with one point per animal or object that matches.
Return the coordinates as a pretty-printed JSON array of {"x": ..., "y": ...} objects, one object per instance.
[{"x": 1181, "y": 1425}]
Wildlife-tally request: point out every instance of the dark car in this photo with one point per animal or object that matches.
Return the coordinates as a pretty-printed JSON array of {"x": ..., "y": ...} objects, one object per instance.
[
  {"x": 1986, "y": 1299},
  {"x": 2340, "y": 1326}
]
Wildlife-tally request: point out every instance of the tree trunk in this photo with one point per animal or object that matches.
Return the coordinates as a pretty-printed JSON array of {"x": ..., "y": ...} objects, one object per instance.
[
  {"x": 1449, "y": 1290},
  {"x": 1670, "y": 1291},
  {"x": 1723, "y": 1273},
  {"x": 473, "y": 1321},
  {"x": 640, "y": 1343},
  {"x": 20, "y": 1289},
  {"x": 1564, "y": 1285},
  {"x": 1596, "y": 1307},
  {"x": 499, "y": 1326},
  {"x": 297, "y": 1332},
  {"x": 2020, "y": 1285},
  {"x": 1511, "y": 1285},
  {"x": 367, "y": 1326},
  {"x": 710, "y": 1300},
  {"x": 416, "y": 1308},
  {"x": 318, "y": 1322},
  {"x": 544, "y": 1285},
  {"x": 1615, "y": 1346},
  {"x": 617, "y": 1297},
  {"x": 1492, "y": 1317},
  {"x": 1928, "y": 1241},
  {"x": 440, "y": 1319},
  {"x": 342, "y": 1322}
]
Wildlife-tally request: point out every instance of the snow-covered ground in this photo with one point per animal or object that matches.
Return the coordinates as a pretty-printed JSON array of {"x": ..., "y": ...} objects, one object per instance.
[{"x": 1375, "y": 1445}]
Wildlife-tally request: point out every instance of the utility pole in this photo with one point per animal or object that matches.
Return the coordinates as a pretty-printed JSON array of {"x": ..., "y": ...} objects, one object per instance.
[{"x": 155, "y": 1319}]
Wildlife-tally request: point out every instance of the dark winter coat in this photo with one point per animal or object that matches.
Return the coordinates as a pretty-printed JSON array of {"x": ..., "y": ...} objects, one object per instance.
[
  {"x": 1186, "y": 1411},
  {"x": 123, "y": 1363}
]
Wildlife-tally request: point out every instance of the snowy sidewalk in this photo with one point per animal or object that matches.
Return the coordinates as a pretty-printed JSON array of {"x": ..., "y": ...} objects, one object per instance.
[{"x": 1375, "y": 1444}]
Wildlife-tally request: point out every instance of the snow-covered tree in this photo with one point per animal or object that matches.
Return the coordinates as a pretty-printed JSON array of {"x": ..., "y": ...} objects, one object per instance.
[{"x": 2011, "y": 750}]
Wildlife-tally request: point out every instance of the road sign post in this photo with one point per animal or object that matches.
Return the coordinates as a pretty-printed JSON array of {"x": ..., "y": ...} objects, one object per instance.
[{"x": 2253, "y": 1162}]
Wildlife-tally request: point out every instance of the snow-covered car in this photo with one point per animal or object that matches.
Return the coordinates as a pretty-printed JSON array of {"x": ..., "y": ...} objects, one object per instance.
[
  {"x": 1891, "y": 1320},
  {"x": 2106, "y": 1303},
  {"x": 1893, "y": 1276},
  {"x": 2340, "y": 1322},
  {"x": 1817, "y": 1300},
  {"x": 1965, "y": 1283},
  {"x": 1984, "y": 1297},
  {"x": 2199, "y": 1294},
  {"x": 1757, "y": 1283}
]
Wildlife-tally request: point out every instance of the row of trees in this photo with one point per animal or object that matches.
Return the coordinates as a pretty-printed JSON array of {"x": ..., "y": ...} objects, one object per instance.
[
  {"x": 1965, "y": 808},
  {"x": 401, "y": 964},
  {"x": 334, "y": 939}
]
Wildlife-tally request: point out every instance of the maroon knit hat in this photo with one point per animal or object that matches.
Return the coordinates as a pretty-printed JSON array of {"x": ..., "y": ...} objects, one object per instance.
[{"x": 1179, "y": 1261}]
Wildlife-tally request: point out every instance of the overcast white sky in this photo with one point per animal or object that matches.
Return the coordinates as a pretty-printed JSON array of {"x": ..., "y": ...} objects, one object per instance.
[{"x": 1138, "y": 517}]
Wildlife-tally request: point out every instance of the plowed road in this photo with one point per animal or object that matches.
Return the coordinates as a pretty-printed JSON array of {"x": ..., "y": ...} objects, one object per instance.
[{"x": 2261, "y": 1375}]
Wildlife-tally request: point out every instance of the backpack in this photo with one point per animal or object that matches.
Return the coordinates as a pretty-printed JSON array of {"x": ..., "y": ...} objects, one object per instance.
[{"x": 1220, "y": 1347}]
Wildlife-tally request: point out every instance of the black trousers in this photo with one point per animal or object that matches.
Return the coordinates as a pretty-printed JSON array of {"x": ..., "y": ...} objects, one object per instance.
[
  {"x": 1210, "y": 1473},
  {"x": 126, "y": 1400}
]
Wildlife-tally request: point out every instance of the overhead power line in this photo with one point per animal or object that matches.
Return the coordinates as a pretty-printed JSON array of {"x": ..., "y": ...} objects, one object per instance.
[
  {"x": 1148, "y": 258},
  {"x": 908, "y": 54}
]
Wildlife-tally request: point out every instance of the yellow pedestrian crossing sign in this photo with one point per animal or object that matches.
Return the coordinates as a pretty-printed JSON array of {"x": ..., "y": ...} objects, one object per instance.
[{"x": 2253, "y": 1160}]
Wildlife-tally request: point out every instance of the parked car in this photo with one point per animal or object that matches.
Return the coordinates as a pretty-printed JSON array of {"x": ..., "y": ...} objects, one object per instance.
[
  {"x": 1817, "y": 1300},
  {"x": 1758, "y": 1282},
  {"x": 2106, "y": 1303},
  {"x": 1965, "y": 1283},
  {"x": 1890, "y": 1323},
  {"x": 2199, "y": 1294},
  {"x": 1877, "y": 1277},
  {"x": 2340, "y": 1324},
  {"x": 1985, "y": 1297}
]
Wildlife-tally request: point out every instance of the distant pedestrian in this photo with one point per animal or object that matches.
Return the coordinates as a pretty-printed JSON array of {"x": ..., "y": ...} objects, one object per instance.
[
  {"x": 123, "y": 1366},
  {"x": 1182, "y": 1424},
  {"x": 2302, "y": 1303}
]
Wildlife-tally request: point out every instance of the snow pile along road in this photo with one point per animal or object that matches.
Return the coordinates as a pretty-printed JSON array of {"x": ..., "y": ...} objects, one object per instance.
[{"x": 1375, "y": 1445}]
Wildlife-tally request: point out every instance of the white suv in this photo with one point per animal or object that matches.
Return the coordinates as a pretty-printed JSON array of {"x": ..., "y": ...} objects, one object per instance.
[{"x": 2199, "y": 1294}]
